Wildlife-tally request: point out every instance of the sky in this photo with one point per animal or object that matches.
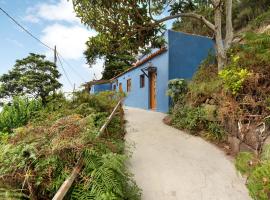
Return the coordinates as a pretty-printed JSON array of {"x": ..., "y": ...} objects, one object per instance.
[{"x": 54, "y": 23}]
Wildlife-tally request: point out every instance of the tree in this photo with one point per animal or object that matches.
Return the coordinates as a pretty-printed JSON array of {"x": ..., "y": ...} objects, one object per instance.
[
  {"x": 117, "y": 57},
  {"x": 141, "y": 22},
  {"x": 32, "y": 76}
]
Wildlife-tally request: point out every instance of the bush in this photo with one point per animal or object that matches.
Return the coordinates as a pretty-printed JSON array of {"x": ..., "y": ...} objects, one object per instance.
[
  {"x": 205, "y": 84},
  {"x": 234, "y": 77},
  {"x": 177, "y": 89},
  {"x": 37, "y": 158},
  {"x": 259, "y": 182},
  {"x": 185, "y": 117},
  {"x": 18, "y": 113},
  {"x": 215, "y": 132},
  {"x": 244, "y": 162}
]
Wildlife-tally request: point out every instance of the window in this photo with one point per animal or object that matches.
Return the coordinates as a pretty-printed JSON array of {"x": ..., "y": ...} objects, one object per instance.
[
  {"x": 128, "y": 85},
  {"x": 142, "y": 81},
  {"x": 114, "y": 87}
]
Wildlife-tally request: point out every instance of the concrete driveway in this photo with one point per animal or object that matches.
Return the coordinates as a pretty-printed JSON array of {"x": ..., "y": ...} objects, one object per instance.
[{"x": 171, "y": 165}]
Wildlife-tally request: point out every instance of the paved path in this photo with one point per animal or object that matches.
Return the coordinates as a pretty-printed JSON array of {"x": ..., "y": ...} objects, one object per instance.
[{"x": 171, "y": 165}]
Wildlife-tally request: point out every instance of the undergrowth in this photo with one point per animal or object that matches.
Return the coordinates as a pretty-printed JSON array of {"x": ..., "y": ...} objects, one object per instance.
[{"x": 35, "y": 159}]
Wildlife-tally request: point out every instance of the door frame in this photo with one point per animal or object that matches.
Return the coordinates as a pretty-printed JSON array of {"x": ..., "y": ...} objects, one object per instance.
[{"x": 152, "y": 89}]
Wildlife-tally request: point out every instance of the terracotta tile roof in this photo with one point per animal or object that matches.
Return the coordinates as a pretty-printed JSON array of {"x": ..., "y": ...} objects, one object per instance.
[
  {"x": 96, "y": 82},
  {"x": 141, "y": 62}
]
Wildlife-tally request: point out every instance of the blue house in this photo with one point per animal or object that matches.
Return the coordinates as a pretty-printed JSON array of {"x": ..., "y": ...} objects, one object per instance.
[{"x": 146, "y": 82}]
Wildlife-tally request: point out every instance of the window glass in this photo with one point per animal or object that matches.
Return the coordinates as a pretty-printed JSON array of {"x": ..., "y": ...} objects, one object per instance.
[
  {"x": 128, "y": 85},
  {"x": 142, "y": 81}
]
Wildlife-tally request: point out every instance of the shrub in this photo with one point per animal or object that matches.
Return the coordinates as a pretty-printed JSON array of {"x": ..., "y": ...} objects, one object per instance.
[
  {"x": 18, "y": 113},
  {"x": 177, "y": 89},
  {"x": 266, "y": 152},
  {"x": 37, "y": 158},
  {"x": 205, "y": 83},
  {"x": 259, "y": 182},
  {"x": 215, "y": 132},
  {"x": 185, "y": 117},
  {"x": 234, "y": 77},
  {"x": 244, "y": 162}
]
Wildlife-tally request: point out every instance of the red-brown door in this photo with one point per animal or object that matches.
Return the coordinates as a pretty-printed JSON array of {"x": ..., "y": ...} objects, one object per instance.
[
  {"x": 120, "y": 87},
  {"x": 153, "y": 85}
]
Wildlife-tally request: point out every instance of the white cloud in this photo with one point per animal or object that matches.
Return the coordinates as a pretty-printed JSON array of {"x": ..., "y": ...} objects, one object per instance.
[
  {"x": 61, "y": 11},
  {"x": 70, "y": 40},
  {"x": 31, "y": 18}
]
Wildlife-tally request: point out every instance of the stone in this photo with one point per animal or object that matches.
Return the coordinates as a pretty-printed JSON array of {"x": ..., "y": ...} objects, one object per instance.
[
  {"x": 234, "y": 144},
  {"x": 167, "y": 120},
  {"x": 246, "y": 148},
  {"x": 212, "y": 102},
  {"x": 251, "y": 139}
]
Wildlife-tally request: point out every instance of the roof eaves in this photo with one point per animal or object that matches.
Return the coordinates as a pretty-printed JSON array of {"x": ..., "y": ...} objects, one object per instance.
[{"x": 141, "y": 62}]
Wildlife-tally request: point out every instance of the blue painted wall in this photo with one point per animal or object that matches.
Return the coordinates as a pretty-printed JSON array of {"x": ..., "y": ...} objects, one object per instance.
[
  {"x": 186, "y": 52},
  {"x": 139, "y": 97},
  {"x": 100, "y": 87},
  {"x": 181, "y": 60}
]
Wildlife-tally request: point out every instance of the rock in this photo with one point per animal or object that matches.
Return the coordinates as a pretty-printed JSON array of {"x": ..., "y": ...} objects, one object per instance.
[
  {"x": 212, "y": 102},
  {"x": 167, "y": 120},
  {"x": 251, "y": 139},
  {"x": 246, "y": 148},
  {"x": 234, "y": 144}
]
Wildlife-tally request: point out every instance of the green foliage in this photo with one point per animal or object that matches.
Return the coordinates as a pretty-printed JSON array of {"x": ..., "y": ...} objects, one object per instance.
[
  {"x": 117, "y": 57},
  {"x": 234, "y": 77},
  {"x": 42, "y": 154},
  {"x": 258, "y": 172},
  {"x": 18, "y": 113},
  {"x": 177, "y": 90},
  {"x": 265, "y": 155},
  {"x": 260, "y": 20},
  {"x": 259, "y": 182},
  {"x": 190, "y": 118},
  {"x": 258, "y": 46},
  {"x": 215, "y": 132},
  {"x": 107, "y": 178},
  {"x": 245, "y": 11},
  {"x": 190, "y": 25},
  {"x": 9, "y": 194},
  {"x": 243, "y": 162},
  {"x": 205, "y": 82},
  {"x": 32, "y": 76}
]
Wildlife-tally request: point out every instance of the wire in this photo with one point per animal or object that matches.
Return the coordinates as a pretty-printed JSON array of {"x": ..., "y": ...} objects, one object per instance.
[
  {"x": 71, "y": 67},
  {"x": 28, "y": 32},
  {"x": 65, "y": 73},
  {"x": 46, "y": 45}
]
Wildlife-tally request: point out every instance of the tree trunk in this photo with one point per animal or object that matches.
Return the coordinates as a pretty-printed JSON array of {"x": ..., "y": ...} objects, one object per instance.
[
  {"x": 221, "y": 54},
  {"x": 229, "y": 25}
]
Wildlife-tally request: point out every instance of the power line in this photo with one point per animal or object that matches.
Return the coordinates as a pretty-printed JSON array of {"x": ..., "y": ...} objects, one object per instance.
[
  {"x": 28, "y": 32},
  {"x": 46, "y": 45},
  {"x": 65, "y": 73},
  {"x": 71, "y": 67}
]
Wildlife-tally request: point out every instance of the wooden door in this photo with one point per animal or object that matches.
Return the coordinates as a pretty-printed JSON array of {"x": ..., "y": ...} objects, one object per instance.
[
  {"x": 153, "y": 85},
  {"x": 120, "y": 87}
]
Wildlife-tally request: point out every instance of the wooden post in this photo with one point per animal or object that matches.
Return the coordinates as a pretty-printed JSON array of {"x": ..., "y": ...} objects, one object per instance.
[
  {"x": 109, "y": 119},
  {"x": 68, "y": 182},
  {"x": 76, "y": 170}
]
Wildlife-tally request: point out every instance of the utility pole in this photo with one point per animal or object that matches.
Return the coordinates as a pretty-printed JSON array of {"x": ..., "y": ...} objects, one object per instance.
[{"x": 55, "y": 55}]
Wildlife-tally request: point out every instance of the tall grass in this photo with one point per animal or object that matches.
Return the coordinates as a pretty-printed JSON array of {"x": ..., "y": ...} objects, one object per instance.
[{"x": 18, "y": 113}]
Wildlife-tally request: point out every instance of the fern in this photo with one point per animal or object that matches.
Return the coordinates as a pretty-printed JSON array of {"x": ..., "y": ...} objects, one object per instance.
[
  {"x": 9, "y": 194},
  {"x": 109, "y": 178}
]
